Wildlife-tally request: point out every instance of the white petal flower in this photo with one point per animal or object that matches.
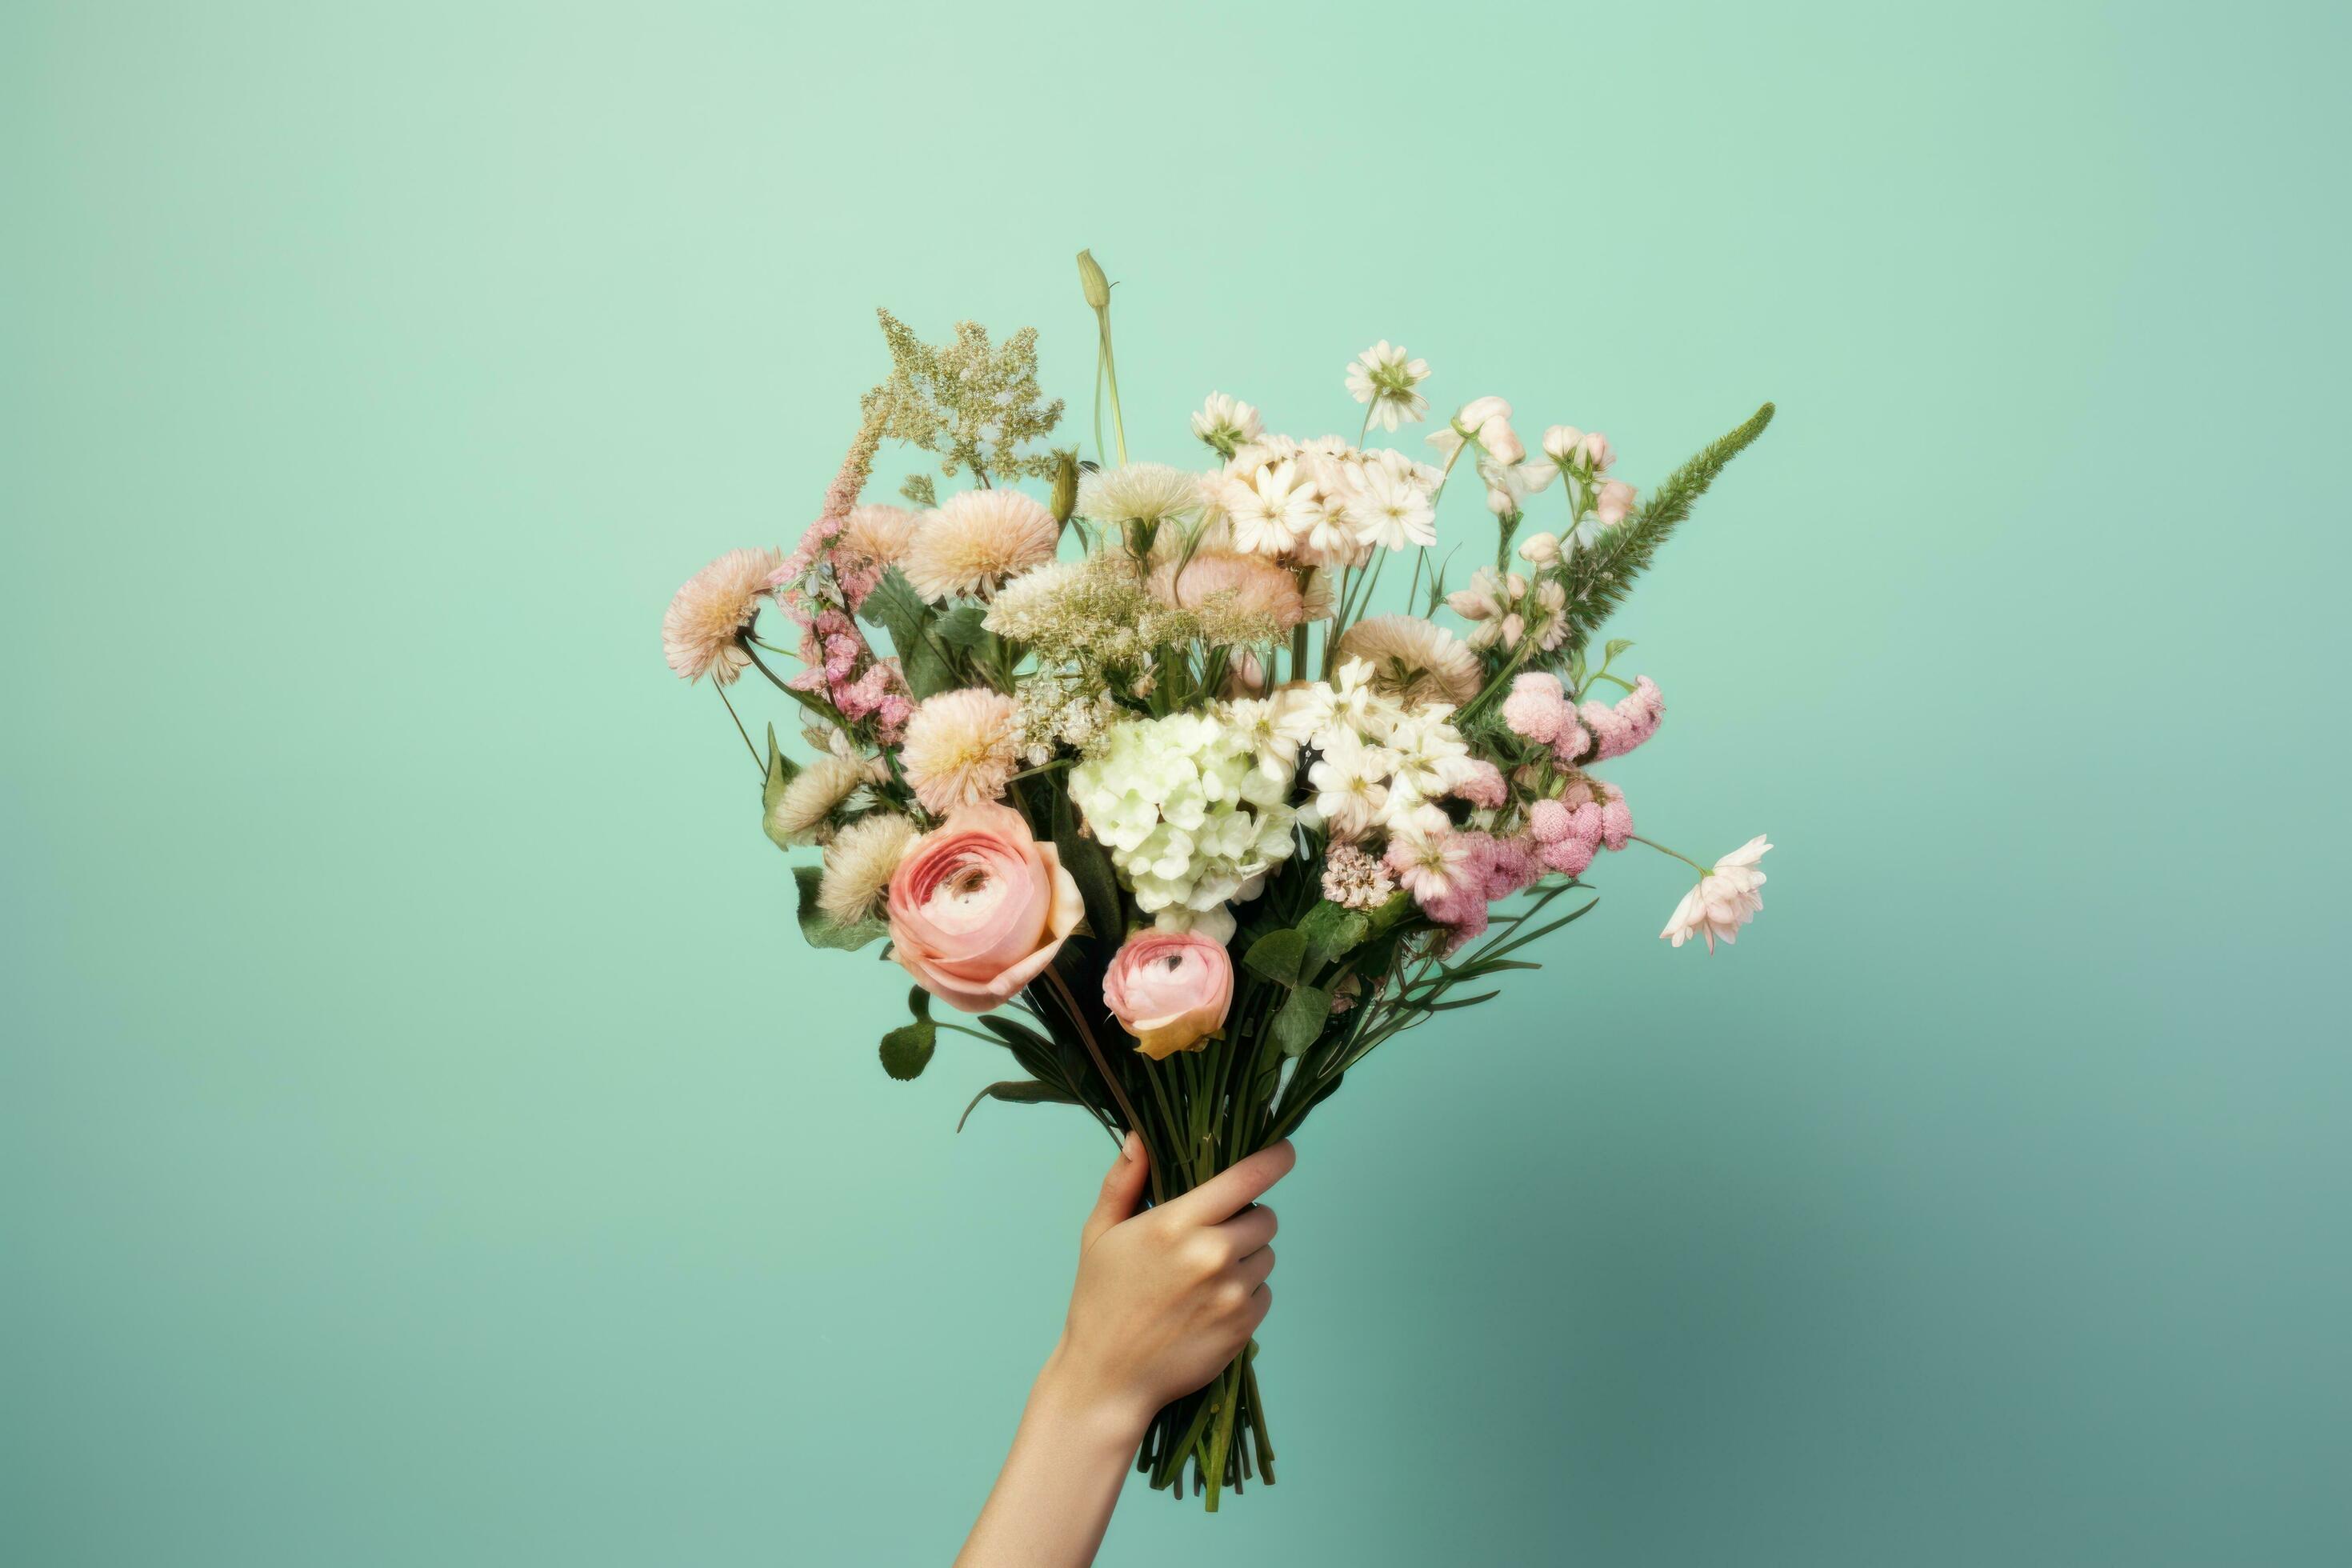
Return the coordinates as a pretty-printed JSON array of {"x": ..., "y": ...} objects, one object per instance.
[
  {"x": 1138, "y": 492},
  {"x": 1270, "y": 512},
  {"x": 1227, "y": 422},
  {"x": 1382, "y": 376},
  {"x": 1724, "y": 900},
  {"x": 1388, "y": 511}
]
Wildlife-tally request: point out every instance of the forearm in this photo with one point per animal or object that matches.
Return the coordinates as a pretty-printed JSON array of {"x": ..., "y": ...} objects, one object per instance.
[{"x": 1054, "y": 1497}]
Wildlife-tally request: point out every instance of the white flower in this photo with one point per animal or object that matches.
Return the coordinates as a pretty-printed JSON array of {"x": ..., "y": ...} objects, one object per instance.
[
  {"x": 1389, "y": 459},
  {"x": 1540, "y": 549},
  {"x": 1383, "y": 377},
  {"x": 1724, "y": 900},
  {"x": 1413, "y": 661},
  {"x": 1274, "y": 727},
  {"x": 1225, "y": 423},
  {"x": 1388, "y": 511},
  {"x": 1547, "y": 614},
  {"x": 1613, "y": 504},
  {"x": 1595, "y": 452},
  {"x": 1350, "y": 782},
  {"x": 1138, "y": 492},
  {"x": 1270, "y": 511},
  {"x": 1508, "y": 484},
  {"x": 1184, "y": 812}
]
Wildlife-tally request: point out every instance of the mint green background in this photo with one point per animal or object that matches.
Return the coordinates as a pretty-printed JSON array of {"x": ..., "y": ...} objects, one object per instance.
[{"x": 424, "y": 1139}]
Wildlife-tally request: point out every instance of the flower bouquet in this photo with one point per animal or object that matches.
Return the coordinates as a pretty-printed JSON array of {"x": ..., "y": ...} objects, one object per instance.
[{"x": 1134, "y": 777}]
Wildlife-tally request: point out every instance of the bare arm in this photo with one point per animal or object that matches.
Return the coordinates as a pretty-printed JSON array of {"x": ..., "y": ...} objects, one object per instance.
[{"x": 1163, "y": 1300}]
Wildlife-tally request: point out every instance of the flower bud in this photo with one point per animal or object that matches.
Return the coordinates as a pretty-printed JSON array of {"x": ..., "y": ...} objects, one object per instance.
[
  {"x": 1479, "y": 410},
  {"x": 1614, "y": 503},
  {"x": 1500, "y": 441},
  {"x": 1595, "y": 451},
  {"x": 1560, "y": 443},
  {"x": 1091, "y": 279},
  {"x": 1540, "y": 549},
  {"x": 1065, "y": 486}
]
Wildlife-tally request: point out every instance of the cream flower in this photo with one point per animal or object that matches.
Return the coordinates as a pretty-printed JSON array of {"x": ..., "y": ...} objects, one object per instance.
[
  {"x": 1547, "y": 614},
  {"x": 876, "y": 534},
  {"x": 1508, "y": 484},
  {"x": 1413, "y": 661},
  {"x": 1351, "y": 783},
  {"x": 1227, "y": 422},
  {"x": 1724, "y": 900},
  {"x": 857, "y": 866},
  {"x": 962, "y": 749},
  {"x": 976, "y": 541},
  {"x": 1491, "y": 603},
  {"x": 1271, "y": 510},
  {"x": 699, "y": 630},
  {"x": 1389, "y": 511},
  {"x": 1540, "y": 549},
  {"x": 1274, "y": 727},
  {"x": 1383, "y": 377},
  {"x": 1138, "y": 492},
  {"x": 803, "y": 811}
]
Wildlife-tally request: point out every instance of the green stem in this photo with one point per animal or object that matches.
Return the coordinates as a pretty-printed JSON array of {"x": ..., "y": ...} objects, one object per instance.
[
  {"x": 748, "y": 746},
  {"x": 1110, "y": 373},
  {"x": 1087, "y": 1034},
  {"x": 1702, "y": 870}
]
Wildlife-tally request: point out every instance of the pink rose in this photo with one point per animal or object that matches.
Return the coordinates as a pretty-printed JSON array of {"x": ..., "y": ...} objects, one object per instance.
[
  {"x": 978, "y": 908},
  {"x": 1169, "y": 989}
]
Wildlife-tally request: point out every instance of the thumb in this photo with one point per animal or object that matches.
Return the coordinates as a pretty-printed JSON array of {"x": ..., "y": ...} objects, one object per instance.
[{"x": 1120, "y": 1189}]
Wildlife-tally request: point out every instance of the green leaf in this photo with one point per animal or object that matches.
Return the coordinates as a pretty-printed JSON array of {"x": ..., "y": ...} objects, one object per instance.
[
  {"x": 781, "y": 770},
  {"x": 1612, "y": 647},
  {"x": 1018, "y": 1092},
  {"x": 895, "y": 606},
  {"x": 1278, "y": 955},
  {"x": 1598, "y": 578},
  {"x": 963, "y": 627},
  {"x": 1332, "y": 932},
  {"x": 919, "y": 1003},
  {"x": 907, "y": 1049},
  {"x": 1090, "y": 868},
  {"x": 1301, "y": 1019},
  {"x": 819, "y": 928}
]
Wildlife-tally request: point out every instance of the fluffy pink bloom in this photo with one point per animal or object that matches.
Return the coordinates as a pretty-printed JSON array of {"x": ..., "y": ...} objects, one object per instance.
[
  {"x": 705, "y": 618},
  {"x": 979, "y": 907},
  {"x": 1548, "y": 821},
  {"x": 1170, "y": 990},
  {"x": 1635, "y": 719},
  {"x": 1570, "y": 856},
  {"x": 1481, "y": 785},
  {"x": 1537, "y": 707}
]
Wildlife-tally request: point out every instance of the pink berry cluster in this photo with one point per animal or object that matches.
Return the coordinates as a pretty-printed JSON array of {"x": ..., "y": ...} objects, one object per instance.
[
  {"x": 1537, "y": 709},
  {"x": 1590, "y": 816}
]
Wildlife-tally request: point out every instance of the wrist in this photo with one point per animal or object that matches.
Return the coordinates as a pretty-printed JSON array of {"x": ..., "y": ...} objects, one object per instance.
[{"x": 1069, "y": 1394}]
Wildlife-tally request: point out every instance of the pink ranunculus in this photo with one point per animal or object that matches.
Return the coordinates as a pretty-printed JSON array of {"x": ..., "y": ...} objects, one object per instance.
[
  {"x": 1170, "y": 990},
  {"x": 979, "y": 907}
]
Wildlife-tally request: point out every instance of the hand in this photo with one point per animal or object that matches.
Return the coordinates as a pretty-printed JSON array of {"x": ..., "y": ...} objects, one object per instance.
[{"x": 1166, "y": 1298}]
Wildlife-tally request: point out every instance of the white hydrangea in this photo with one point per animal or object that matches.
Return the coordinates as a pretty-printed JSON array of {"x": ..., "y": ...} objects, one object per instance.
[{"x": 1185, "y": 814}]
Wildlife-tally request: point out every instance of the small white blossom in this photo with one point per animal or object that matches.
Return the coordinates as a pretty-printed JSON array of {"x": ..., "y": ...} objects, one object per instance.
[
  {"x": 1227, "y": 422},
  {"x": 1724, "y": 900},
  {"x": 1383, "y": 377}
]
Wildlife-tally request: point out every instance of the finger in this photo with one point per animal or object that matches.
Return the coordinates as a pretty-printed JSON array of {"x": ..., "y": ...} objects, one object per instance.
[
  {"x": 1121, "y": 1189},
  {"x": 1247, "y": 1231},
  {"x": 1252, "y": 1270},
  {"x": 1227, "y": 1193},
  {"x": 1260, "y": 1304}
]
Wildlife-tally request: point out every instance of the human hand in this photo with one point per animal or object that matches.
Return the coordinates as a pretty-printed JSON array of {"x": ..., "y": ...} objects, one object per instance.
[{"x": 1166, "y": 1298}]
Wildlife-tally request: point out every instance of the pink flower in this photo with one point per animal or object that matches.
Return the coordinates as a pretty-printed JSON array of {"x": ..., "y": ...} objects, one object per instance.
[
  {"x": 1724, "y": 900},
  {"x": 1428, "y": 864},
  {"x": 978, "y": 908},
  {"x": 1568, "y": 854},
  {"x": 1618, "y": 729},
  {"x": 1548, "y": 821},
  {"x": 1170, "y": 990},
  {"x": 1614, "y": 502},
  {"x": 1537, "y": 707},
  {"x": 1481, "y": 785}
]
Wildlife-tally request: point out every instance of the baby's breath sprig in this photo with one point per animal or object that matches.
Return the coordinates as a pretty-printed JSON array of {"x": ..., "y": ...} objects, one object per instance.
[{"x": 974, "y": 402}]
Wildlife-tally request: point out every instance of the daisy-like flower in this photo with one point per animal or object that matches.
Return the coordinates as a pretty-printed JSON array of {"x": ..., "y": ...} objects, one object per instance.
[
  {"x": 1227, "y": 422},
  {"x": 802, "y": 813},
  {"x": 1350, "y": 781},
  {"x": 1258, "y": 586},
  {"x": 877, "y": 535},
  {"x": 857, "y": 866},
  {"x": 961, "y": 748},
  {"x": 1491, "y": 604},
  {"x": 701, "y": 628},
  {"x": 1724, "y": 900},
  {"x": 1269, "y": 513},
  {"x": 1383, "y": 377},
  {"x": 1388, "y": 511},
  {"x": 976, "y": 541},
  {"x": 1413, "y": 661},
  {"x": 1138, "y": 492},
  {"x": 1276, "y": 727}
]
